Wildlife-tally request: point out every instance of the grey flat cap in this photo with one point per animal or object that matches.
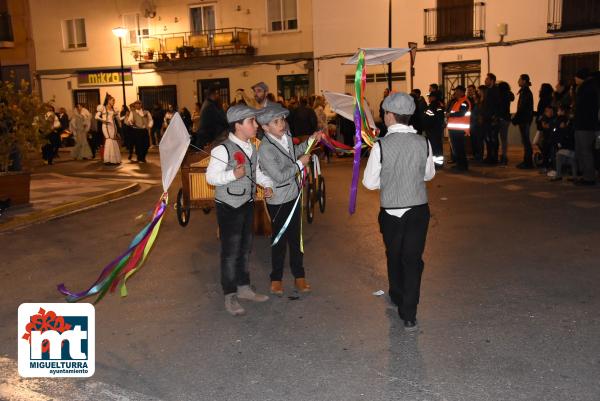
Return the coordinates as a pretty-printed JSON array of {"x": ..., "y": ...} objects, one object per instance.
[
  {"x": 240, "y": 112},
  {"x": 399, "y": 103},
  {"x": 262, "y": 85},
  {"x": 271, "y": 112}
]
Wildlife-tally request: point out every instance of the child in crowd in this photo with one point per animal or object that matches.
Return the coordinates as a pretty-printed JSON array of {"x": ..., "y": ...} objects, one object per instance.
[
  {"x": 281, "y": 161},
  {"x": 565, "y": 143},
  {"x": 233, "y": 170},
  {"x": 548, "y": 126}
]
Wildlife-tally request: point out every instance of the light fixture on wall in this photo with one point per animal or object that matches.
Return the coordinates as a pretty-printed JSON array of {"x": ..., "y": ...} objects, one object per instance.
[
  {"x": 502, "y": 30},
  {"x": 121, "y": 32},
  {"x": 238, "y": 8},
  {"x": 244, "y": 73}
]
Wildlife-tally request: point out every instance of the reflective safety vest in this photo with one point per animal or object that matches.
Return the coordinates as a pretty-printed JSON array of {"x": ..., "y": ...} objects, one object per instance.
[{"x": 460, "y": 123}]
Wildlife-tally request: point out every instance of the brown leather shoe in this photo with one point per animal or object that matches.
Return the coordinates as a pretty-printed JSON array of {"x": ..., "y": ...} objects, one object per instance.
[
  {"x": 302, "y": 285},
  {"x": 277, "y": 288}
]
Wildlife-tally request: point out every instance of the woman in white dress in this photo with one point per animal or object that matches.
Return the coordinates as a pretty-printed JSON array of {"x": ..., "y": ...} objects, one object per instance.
[
  {"x": 79, "y": 126},
  {"x": 107, "y": 115}
]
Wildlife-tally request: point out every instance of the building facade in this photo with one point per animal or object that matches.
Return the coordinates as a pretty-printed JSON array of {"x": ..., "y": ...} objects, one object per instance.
[
  {"x": 172, "y": 50},
  {"x": 459, "y": 41},
  {"x": 17, "y": 56}
]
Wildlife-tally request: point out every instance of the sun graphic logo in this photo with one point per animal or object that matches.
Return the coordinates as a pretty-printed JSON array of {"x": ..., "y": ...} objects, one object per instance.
[{"x": 56, "y": 340}]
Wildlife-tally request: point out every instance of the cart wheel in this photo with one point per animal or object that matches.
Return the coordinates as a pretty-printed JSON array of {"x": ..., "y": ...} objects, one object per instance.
[
  {"x": 206, "y": 210},
  {"x": 310, "y": 203},
  {"x": 538, "y": 159},
  {"x": 183, "y": 211},
  {"x": 321, "y": 194}
]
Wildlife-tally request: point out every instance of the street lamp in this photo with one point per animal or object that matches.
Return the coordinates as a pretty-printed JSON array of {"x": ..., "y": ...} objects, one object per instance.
[
  {"x": 120, "y": 32},
  {"x": 389, "y": 73}
]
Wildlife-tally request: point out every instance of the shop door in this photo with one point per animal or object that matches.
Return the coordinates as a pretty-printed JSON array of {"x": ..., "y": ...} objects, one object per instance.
[
  {"x": 293, "y": 85},
  {"x": 90, "y": 99},
  {"x": 163, "y": 95},
  {"x": 461, "y": 73},
  {"x": 203, "y": 85}
]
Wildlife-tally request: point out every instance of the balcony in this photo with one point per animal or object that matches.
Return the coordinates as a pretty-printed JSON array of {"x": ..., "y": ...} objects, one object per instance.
[
  {"x": 6, "y": 33},
  {"x": 176, "y": 47},
  {"x": 573, "y": 15},
  {"x": 454, "y": 24}
]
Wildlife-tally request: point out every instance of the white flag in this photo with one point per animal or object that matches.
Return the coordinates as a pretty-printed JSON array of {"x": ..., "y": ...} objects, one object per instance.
[{"x": 172, "y": 147}]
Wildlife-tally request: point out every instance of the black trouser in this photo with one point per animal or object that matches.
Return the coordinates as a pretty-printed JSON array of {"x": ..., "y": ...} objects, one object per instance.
[
  {"x": 235, "y": 229},
  {"x": 436, "y": 139},
  {"x": 142, "y": 142},
  {"x": 290, "y": 238},
  {"x": 128, "y": 139},
  {"x": 155, "y": 133},
  {"x": 491, "y": 141},
  {"x": 526, "y": 141},
  {"x": 404, "y": 240},
  {"x": 477, "y": 141},
  {"x": 457, "y": 138}
]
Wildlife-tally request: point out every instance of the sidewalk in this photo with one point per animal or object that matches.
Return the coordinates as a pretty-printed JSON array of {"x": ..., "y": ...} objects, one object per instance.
[{"x": 71, "y": 186}]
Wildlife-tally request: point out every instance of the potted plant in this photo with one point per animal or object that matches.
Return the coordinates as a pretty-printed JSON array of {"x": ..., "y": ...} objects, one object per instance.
[
  {"x": 250, "y": 50},
  {"x": 164, "y": 57},
  {"x": 149, "y": 55},
  {"x": 135, "y": 54},
  {"x": 23, "y": 127},
  {"x": 181, "y": 52},
  {"x": 189, "y": 51}
]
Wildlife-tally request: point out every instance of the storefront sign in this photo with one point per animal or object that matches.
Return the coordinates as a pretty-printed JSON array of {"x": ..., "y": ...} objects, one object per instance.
[{"x": 104, "y": 77}]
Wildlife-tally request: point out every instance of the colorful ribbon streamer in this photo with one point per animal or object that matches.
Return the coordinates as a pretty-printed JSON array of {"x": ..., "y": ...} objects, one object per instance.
[
  {"x": 127, "y": 264},
  {"x": 311, "y": 143},
  {"x": 359, "y": 83}
]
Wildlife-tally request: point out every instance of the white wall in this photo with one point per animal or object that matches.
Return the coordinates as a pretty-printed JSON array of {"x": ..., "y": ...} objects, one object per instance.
[{"x": 55, "y": 87}]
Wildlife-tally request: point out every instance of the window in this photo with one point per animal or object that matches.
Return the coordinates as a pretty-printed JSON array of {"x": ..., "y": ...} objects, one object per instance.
[
  {"x": 571, "y": 63},
  {"x": 282, "y": 15},
  {"x": 572, "y": 15},
  {"x": 137, "y": 28},
  {"x": 164, "y": 95},
  {"x": 202, "y": 18},
  {"x": 74, "y": 34},
  {"x": 6, "y": 32}
]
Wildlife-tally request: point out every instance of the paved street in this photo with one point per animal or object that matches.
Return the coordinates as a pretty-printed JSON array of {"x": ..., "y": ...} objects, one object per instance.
[{"x": 509, "y": 305}]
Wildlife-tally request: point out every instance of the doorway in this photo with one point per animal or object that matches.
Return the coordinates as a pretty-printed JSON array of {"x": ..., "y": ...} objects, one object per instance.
[
  {"x": 202, "y": 86},
  {"x": 460, "y": 73}
]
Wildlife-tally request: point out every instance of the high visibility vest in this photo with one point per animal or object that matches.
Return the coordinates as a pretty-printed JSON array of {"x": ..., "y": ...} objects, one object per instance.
[{"x": 460, "y": 123}]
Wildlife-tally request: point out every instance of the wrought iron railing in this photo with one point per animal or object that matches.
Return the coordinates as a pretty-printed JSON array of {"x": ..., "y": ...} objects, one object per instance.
[
  {"x": 6, "y": 32},
  {"x": 454, "y": 24},
  {"x": 573, "y": 15},
  {"x": 186, "y": 45}
]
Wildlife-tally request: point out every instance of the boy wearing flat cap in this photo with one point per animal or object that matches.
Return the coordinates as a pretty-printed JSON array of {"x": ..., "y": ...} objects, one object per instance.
[
  {"x": 233, "y": 170},
  {"x": 399, "y": 165},
  {"x": 282, "y": 162}
]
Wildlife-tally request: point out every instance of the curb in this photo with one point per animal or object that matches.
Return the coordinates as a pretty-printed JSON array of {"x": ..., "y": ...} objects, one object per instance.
[{"x": 68, "y": 208}]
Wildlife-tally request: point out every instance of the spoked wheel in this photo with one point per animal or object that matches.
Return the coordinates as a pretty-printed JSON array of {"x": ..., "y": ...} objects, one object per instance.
[
  {"x": 183, "y": 209},
  {"x": 310, "y": 203},
  {"x": 321, "y": 194}
]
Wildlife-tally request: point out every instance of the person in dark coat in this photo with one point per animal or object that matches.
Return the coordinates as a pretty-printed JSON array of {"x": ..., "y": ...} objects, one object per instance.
[
  {"x": 303, "y": 119},
  {"x": 417, "y": 119},
  {"x": 506, "y": 97},
  {"x": 491, "y": 123},
  {"x": 213, "y": 121},
  {"x": 586, "y": 125},
  {"x": 433, "y": 124},
  {"x": 522, "y": 119},
  {"x": 158, "y": 115},
  {"x": 381, "y": 124}
]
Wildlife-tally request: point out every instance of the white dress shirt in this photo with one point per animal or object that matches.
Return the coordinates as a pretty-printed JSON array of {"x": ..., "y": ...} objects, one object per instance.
[
  {"x": 286, "y": 145},
  {"x": 371, "y": 177},
  {"x": 216, "y": 173}
]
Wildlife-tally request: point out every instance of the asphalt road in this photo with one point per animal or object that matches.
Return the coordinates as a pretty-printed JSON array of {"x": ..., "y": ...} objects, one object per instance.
[{"x": 509, "y": 307}]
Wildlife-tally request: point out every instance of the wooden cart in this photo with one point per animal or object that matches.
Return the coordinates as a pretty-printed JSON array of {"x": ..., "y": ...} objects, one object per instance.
[{"x": 196, "y": 193}]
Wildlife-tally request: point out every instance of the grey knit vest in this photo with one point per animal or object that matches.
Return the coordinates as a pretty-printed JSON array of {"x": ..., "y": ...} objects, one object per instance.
[
  {"x": 242, "y": 190},
  {"x": 403, "y": 161}
]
